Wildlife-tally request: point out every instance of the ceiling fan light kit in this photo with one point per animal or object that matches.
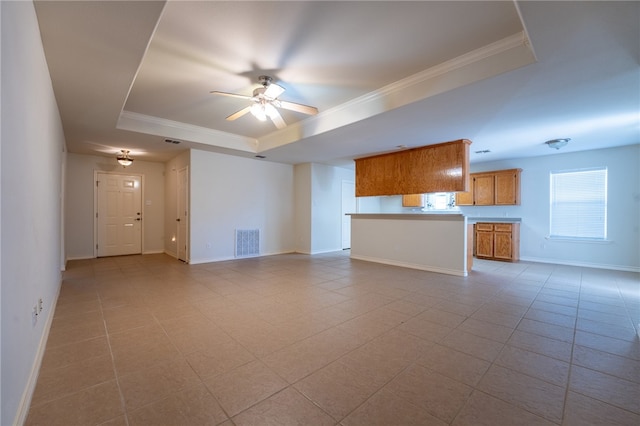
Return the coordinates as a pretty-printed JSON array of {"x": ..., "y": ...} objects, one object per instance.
[
  {"x": 265, "y": 103},
  {"x": 123, "y": 158}
]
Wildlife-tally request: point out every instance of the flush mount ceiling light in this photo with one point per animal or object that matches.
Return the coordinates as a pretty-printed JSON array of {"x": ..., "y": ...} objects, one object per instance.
[
  {"x": 557, "y": 143},
  {"x": 123, "y": 159}
]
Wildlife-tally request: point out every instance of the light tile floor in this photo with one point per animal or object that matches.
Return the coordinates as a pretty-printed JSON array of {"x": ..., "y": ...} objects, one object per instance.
[{"x": 326, "y": 340}]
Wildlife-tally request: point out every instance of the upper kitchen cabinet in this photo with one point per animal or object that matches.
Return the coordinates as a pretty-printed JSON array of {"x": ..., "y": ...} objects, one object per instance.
[
  {"x": 507, "y": 190},
  {"x": 433, "y": 168},
  {"x": 484, "y": 189},
  {"x": 413, "y": 200},
  {"x": 500, "y": 187}
]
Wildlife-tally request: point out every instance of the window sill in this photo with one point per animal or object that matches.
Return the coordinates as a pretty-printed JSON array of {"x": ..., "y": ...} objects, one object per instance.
[{"x": 578, "y": 240}]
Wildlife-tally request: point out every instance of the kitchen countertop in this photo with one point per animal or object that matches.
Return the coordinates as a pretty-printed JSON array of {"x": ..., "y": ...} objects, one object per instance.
[
  {"x": 436, "y": 216},
  {"x": 408, "y": 216},
  {"x": 494, "y": 219}
]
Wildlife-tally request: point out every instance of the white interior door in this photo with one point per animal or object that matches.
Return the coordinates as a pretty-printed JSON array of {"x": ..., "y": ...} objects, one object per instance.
[
  {"x": 348, "y": 206},
  {"x": 119, "y": 214},
  {"x": 183, "y": 214}
]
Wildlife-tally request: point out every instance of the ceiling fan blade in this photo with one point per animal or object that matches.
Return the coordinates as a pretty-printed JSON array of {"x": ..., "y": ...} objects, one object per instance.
[
  {"x": 273, "y": 91},
  {"x": 305, "y": 109},
  {"x": 277, "y": 119},
  {"x": 233, "y": 95},
  {"x": 239, "y": 114}
]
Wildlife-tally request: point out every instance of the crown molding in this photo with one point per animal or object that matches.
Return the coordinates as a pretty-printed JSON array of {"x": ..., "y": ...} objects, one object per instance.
[
  {"x": 148, "y": 124},
  {"x": 496, "y": 58}
]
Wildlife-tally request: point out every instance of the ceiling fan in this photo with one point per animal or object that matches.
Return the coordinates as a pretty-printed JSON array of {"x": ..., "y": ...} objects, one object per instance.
[{"x": 265, "y": 101}]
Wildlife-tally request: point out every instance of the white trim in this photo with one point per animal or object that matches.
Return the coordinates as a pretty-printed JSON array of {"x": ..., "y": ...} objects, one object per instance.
[
  {"x": 227, "y": 258},
  {"x": 186, "y": 239},
  {"x": 148, "y": 124},
  {"x": 411, "y": 265},
  {"x": 27, "y": 395},
  {"x": 80, "y": 258},
  {"x": 168, "y": 253},
  {"x": 582, "y": 264},
  {"x": 325, "y": 251},
  {"x": 504, "y": 55},
  {"x": 577, "y": 240}
]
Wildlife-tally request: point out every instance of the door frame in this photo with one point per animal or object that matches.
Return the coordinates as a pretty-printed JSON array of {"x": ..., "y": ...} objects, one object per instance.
[
  {"x": 187, "y": 193},
  {"x": 95, "y": 207}
]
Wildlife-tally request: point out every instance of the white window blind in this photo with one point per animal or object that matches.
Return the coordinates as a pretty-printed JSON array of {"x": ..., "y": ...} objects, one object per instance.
[{"x": 579, "y": 204}]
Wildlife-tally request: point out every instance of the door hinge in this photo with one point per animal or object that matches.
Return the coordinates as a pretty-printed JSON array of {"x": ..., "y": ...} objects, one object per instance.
[
  {"x": 96, "y": 247},
  {"x": 96, "y": 215},
  {"x": 97, "y": 183}
]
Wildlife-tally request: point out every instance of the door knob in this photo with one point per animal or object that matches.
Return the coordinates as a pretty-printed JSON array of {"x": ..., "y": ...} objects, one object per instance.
[
  {"x": 138, "y": 219},
  {"x": 178, "y": 220}
]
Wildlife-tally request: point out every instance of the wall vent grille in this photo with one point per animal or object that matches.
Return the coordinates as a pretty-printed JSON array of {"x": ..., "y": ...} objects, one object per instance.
[{"x": 247, "y": 242}]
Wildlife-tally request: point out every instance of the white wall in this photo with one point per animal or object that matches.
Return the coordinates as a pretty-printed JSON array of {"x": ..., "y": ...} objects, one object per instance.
[
  {"x": 31, "y": 174},
  {"x": 79, "y": 209},
  {"x": 623, "y": 251},
  {"x": 319, "y": 207},
  {"x": 229, "y": 193},
  {"x": 326, "y": 206},
  {"x": 302, "y": 177},
  {"x": 394, "y": 240}
]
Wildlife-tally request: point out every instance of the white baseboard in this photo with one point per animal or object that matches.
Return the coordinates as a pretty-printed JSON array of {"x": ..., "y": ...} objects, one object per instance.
[
  {"x": 411, "y": 265},
  {"x": 27, "y": 395},
  {"x": 582, "y": 264},
  {"x": 326, "y": 251},
  {"x": 80, "y": 258},
  {"x": 226, "y": 258},
  {"x": 170, "y": 253}
]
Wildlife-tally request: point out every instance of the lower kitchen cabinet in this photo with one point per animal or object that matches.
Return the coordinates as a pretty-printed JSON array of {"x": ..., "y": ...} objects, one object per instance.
[{"x": 498, "y": 241}]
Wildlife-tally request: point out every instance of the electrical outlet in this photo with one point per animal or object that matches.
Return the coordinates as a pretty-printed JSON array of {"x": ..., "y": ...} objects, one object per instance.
[{"x": 40, "y": 305}]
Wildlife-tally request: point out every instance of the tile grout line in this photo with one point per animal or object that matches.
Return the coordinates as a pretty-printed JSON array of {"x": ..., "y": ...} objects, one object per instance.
[
  {"x": 493, "y": 362},
  {"x": 113, "y": 360},
  {"x": 573, "y": 345}
]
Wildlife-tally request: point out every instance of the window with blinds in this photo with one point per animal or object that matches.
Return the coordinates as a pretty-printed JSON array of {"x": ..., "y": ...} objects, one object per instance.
[{"x": 579, "y": 204}]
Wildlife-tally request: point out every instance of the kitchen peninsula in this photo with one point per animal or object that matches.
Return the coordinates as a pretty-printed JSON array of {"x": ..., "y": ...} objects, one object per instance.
[{"x": 432, "y": 242}]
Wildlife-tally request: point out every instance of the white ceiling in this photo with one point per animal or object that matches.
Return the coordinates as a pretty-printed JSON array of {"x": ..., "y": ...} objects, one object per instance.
[{"x": 506, "y": 75}]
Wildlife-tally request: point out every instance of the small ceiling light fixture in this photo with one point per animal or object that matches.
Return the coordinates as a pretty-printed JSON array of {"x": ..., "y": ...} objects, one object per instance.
[
  {"x": 557, "y": 143},
  {"x": 263, "y": 109},
  {"x": 123, "y": 159}
]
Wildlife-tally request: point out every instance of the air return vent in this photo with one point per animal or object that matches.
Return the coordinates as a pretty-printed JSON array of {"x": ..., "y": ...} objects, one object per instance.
[{"x": 247, "y": 242}]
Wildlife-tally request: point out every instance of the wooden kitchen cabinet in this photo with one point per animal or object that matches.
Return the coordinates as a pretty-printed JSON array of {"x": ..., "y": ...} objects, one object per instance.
[
  {"x": 413, "y": 200},
  {"x": 500, "y": 187},
  {"x": 484, "y": 189},
  {"x": 484, "y": 240},
  {"x": 465, "y": 198},
  {"x": 507, "y": 187},
  {"x": 498, "y": 241}
]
